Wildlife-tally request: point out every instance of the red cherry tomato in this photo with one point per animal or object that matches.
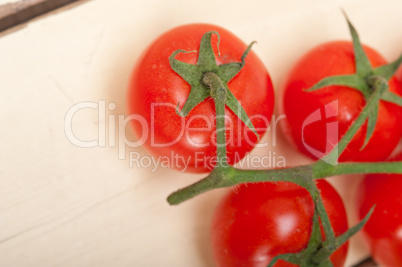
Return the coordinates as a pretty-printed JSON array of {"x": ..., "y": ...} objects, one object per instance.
[
  {"x": 155, "y": 90},
  {"x": 255, "y": 222},
  {"x": 311, "y": 117},
  {"x": 383, "y": 230}
]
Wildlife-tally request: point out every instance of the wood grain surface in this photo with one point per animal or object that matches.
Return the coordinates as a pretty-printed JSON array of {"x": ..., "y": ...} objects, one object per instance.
[{"x": 62, "y": 205}]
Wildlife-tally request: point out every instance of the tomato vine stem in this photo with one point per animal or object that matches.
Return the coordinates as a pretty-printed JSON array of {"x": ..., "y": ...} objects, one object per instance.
[
  {"x": 224, "y": 175},
  {"x": 299, "y": 175},
  {"x": 372, "y": 83},
  {"x": 218, "y": 93},
  {"x": 378, "y": 85}
]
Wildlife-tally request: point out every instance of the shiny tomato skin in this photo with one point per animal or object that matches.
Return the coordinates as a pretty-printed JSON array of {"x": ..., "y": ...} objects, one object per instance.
[
  {"x": 328, "y": 59},
  {"x": 255, "y": 222},
  {"x": 383, "y": 230},
  {"x": 154, "y": 82}
]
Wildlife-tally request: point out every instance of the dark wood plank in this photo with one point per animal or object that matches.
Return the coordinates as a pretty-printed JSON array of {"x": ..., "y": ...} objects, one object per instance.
[
  {"x": 13, "y": 14},
  {"x": 369, "y": 262}
]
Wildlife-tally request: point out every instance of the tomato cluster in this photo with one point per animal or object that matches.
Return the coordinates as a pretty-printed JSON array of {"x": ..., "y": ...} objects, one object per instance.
[{"x": 255, "y": 222}]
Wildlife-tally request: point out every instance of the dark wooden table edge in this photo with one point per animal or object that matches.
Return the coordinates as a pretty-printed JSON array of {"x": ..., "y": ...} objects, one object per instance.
[{"x": 15, "y": 16}]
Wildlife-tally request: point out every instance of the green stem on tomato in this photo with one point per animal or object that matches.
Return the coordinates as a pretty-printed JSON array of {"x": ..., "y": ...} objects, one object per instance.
[
  {"x": 218, "y": 93},
  {"x": 230, "y": 176},
  {"x": 300, "y": 175},
  {"x": 315, "y": 243},
  {"x": 378, "y": 85},
  {"x": 321, "y": 171},
  {"x": 325, "y": 251},
  {"x": 330, "y": 242}
]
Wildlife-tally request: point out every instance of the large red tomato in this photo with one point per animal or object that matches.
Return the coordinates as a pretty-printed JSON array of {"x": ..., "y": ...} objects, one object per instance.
[
  {"x": 383, "y": 230},
  {"x": 311, "y": 117},
  {"x": 155, "y": 90},
  {"x": 255, "y": 222}
]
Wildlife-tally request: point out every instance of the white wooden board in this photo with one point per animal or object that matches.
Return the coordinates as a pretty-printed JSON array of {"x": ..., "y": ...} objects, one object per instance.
[{"x": 62, "y": 205}]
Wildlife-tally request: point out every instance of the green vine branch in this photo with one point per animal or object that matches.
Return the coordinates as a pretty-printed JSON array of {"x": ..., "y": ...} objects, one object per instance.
[
  {"x": 299, "y": 175},
  {"x": 207, "y": 79}
]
